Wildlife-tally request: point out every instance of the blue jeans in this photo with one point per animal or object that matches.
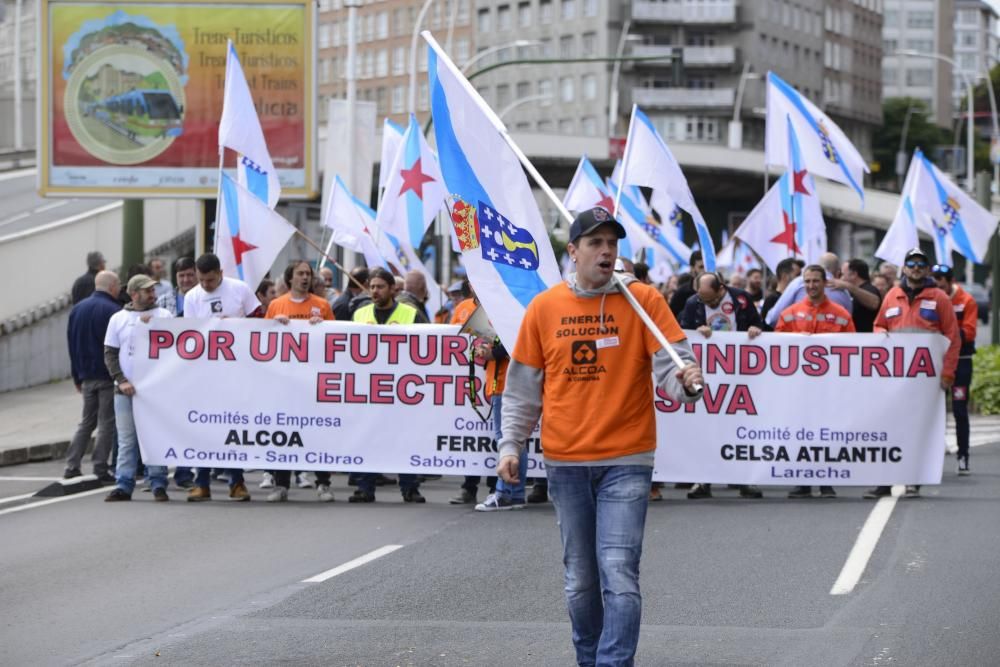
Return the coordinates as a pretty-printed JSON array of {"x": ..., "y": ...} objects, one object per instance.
[
  {"x": 602, "y": 514},
  {"x": 204, "y": 477},
  {"x": 510, "y": 491},
  {"x": 128, "y": 450}
]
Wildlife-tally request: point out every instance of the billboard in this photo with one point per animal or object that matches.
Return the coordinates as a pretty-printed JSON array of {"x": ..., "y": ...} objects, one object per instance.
[{"x": 131, "y": 94}]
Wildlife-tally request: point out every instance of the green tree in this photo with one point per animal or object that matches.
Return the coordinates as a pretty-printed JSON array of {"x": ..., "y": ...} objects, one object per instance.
[{"x": 921, "y": 132}]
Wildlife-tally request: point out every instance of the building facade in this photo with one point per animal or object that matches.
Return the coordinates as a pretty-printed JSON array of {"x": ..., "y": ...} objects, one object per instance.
[
  {"x": 976, "y": 44},
  {"x": 911, "y": 28},
  {"x": 10, "y": 32}
]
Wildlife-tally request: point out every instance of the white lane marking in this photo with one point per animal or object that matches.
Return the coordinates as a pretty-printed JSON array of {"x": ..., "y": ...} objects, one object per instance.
[
  {"x": 11, "y": 499},
  {"x": 30, "y": 479},
  {"x": 49, "y": 207},
  {"x": 50, "y": 501},
  {"x": 865, "y": 545},
  {"x": 21, "y": 173},
  {"x": 351, "y": 564},
  {"x": 13, "y": 218}
]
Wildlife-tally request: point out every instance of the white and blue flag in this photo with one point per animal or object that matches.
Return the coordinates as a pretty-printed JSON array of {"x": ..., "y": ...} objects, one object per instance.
[
  {"x": 250, "y": 235},
  {"x": 353, "y": 224},
  {"x": 504, "y": 243},
  {"x": 392, "y": 137},
  {"x": 825, "y": 148},
  {"x": 240, "y": 130}
]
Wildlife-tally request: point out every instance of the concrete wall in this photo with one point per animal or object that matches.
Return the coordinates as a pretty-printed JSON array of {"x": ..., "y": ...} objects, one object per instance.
[{"x": 35, "y": 354}]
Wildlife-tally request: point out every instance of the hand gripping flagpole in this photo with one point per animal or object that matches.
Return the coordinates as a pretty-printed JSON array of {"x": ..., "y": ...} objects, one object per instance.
[{"x": 540, "y": 182}]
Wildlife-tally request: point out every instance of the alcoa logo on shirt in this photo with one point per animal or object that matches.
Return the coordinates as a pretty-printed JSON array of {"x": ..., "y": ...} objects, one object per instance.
[
  {"x": 500, "y": 240},
  {"x": 583, "y": 358}
]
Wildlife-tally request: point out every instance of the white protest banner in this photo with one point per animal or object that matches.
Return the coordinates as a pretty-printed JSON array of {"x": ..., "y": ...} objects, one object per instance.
[
  {"x": 819, "y": 410},
  {"x": 253, "y": 393},
  {"x": 783, "y": 409}
]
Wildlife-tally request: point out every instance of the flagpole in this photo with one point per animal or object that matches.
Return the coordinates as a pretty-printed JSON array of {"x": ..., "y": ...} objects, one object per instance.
[
  {"x": 621, "y": 176},
  {"x": 218, "y": 202},
  {"x": 537, "y": 177},
  {"x": 330, "y": 259}
]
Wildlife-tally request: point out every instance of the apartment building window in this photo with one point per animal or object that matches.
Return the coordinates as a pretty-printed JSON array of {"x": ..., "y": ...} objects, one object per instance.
[
  {"x": 399, "y": 22},
  {"x": 463, "y": 12},
  {"x": 503, "y": 17},
  {"x": 436, "y": 15},
  {"x": 462, "y": 51},
  {"x": 545, "y": 126},
  {"x": 545, "y": 87},
  {"x": 522, "y": 126},
  {"x": 370, "y": 28},
  {"x": 968, "y": 39},
  {"x": 523, "y": 89},
  {"x": 380, "y": 100},
  {"x": 968, "y": 17},
  {"x": 324, "y": 71},
  {"x": 382, "y": 63},
  {"x": 567, "y": 88},
  {"x": 503, "y": 96},
  {"x": 422, "y": 60},
  {"x": 590, "y": 8},
  {"x": 369, "y": 64},
  {"x": 566, "y": 126},
  {"x": 524, "y": 14},
  {"x": 920, "y": 19},
  {"x": 566, "y": 46},
  {"x": 422, "y": 97},
  {"x": 483, "y": 23},
  {"x": 588, "y": 84},
  {"x": 545, "y": 11},
  {"x": 335, "y": 33},
  {"x": 399, "y": 60},
  {"x": 919, "y": 77},
  {"x": 324, "y": 5},
  {"x": 382, "y": 25},
  {"x": 890, "y": 45},
  {"x": 568, "y": 10},
  {"x": 922, "y": 45},
  {"x": 548, "y": 51},
  {"x": 588, "y": 43},
  {"x": 588, "y": 126}
]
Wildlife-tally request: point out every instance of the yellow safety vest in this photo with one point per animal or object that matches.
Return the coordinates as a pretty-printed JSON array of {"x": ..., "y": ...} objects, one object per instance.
[{"x": 403, "y": 314}]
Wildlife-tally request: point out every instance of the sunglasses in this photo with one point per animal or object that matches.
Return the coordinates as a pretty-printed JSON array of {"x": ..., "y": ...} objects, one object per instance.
[
  {"x": 916, "y": 264},
  {"x": 941, "y": 268}
]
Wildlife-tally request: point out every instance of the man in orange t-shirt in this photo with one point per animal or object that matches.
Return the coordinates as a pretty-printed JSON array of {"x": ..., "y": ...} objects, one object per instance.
[
  {"x": 584, "y": 353},
  {"x": 299, "y": 303}
]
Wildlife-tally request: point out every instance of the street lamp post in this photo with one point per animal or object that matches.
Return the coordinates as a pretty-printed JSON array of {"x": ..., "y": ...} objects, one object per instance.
[
  {"x": 523, "y": 100},
  {"x": 517, "y": 43},
  {"x": 616, "y": 71},
  {"x": 970, "y": 179},
  {"x": 413, "y": 55},
  {"x": 736, "y": 125}
]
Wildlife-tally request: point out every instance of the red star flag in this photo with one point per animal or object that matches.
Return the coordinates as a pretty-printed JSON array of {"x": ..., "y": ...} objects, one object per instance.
[{"x": 250, "y": 235}]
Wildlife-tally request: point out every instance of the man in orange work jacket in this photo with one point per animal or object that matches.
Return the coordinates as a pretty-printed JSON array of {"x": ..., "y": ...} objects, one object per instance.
[
  {"x": 916, "y": 304},
  {"x": 814, "y": 314}
]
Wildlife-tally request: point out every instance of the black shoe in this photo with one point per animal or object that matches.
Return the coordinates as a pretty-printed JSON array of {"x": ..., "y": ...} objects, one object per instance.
[
  {"x": 184, "y": 484},
  {"x": 75, "y": 472},
  {"x": 801, "y": 492},
  {"x": 428, "y": 478},
  {"x": 385, "y": 480},
  {"x": 539, "y": 494},
  {"x": 160, "y": 495},
  {"x": 361, "y": 497},
  {"x": 105, "y": 478},
  {"x": 750, "y": 491},
  {"x": 116, "y": 496},
  {"x": 413, "y": 496},
  {"x": 878, "y": 492},
  {"x": 466, "y": 497},
  {"x": 699, "y": 491},
  {"x": 827, "y": 492}
]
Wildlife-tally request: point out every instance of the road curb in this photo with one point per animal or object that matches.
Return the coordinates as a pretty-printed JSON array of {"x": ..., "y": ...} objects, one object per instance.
[
  {"x": 67, "y": 487},
  {"x": 31, "y": 453}
]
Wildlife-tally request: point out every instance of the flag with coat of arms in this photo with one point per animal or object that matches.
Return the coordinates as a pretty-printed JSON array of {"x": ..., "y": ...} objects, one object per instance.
[
  {"x": 240, "y": 130},
  {"x": 504, "y": 243},
  {"x": 249, "y": 234}
]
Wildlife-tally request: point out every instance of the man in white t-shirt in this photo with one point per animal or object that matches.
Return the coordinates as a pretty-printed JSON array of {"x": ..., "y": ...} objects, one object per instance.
[
  {"x": 218, "y": 296},
  {"x": 119, "y": 348}
]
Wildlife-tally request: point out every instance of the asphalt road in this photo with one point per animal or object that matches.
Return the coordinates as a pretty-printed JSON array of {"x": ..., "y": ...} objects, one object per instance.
[
  {"x": 23, "y": 209},
  {"x": 725, "y": 581}
]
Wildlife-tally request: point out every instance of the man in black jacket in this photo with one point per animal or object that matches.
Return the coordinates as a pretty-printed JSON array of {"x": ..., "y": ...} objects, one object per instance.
[
  {"x": 88, "y": 322},
  {"x": 84, "y": 285},
  {"x": 716, "y": 307},
  {"x": 353, "y": 296}
]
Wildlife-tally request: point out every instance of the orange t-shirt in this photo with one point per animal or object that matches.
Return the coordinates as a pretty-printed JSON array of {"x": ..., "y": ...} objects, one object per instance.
[
  {"x": 827, "y": 317},
  {"x": 597, "y": 396},
  {"x": 311, "y": 307},
  {"x": 496, "y": 377},
  {"x": 463, "y": 311}
]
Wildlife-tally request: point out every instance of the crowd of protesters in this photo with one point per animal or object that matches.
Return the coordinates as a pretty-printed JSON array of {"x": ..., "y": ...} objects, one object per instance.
[{"x": 829, "y": 296}]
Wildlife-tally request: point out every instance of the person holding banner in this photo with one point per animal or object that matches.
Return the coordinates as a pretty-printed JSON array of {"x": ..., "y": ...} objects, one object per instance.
[
  {"x": 118, "y": 352},
  {"x": 584, "y": 357},
  {"x": 718, "y": 307},
  {"x": 384, "y": 309},
  {"x": 916, "y": 304},
  {"x": 216, "y": 295},
  {"x": 966, "y": 312},
  {"x": 299, "y": 303},
  {"x": 814, "y": 314}
]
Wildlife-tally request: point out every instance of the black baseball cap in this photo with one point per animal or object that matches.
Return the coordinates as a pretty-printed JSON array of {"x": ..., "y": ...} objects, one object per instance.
[
  {"x": 587, "y": 221},
  {"x": 915, "y": 252}
]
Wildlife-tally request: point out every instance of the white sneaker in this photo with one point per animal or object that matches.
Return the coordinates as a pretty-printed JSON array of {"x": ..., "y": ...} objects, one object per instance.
[
  {"x": 497, "y": 503},
  {"x": 302, "y": 481},
  {"x": 325, "y": 493},
  {"x": 267, "y": 481},
  {"x": 279, "y": 495}
]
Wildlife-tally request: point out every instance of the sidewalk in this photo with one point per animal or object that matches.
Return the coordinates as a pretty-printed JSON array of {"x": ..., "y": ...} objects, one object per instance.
[{"x": 36, "y": 424}]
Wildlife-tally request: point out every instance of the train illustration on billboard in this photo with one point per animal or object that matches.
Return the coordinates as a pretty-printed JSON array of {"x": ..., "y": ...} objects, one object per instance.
[{"x": 139, "y": 113}]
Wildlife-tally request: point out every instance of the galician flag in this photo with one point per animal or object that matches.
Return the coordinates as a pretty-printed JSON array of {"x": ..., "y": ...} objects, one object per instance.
[
  {"x": 825, "y": 148},
  {"x": 392, "y": 137},
  {"x": 648, "y": 162},
  {"x": 353, "y": 224},
  {"x": 414, "y": 190},
  {"x": 240, "y": 130},
  {"x": 504, "y": 243},
  {"x": 250, "y": 235}
]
